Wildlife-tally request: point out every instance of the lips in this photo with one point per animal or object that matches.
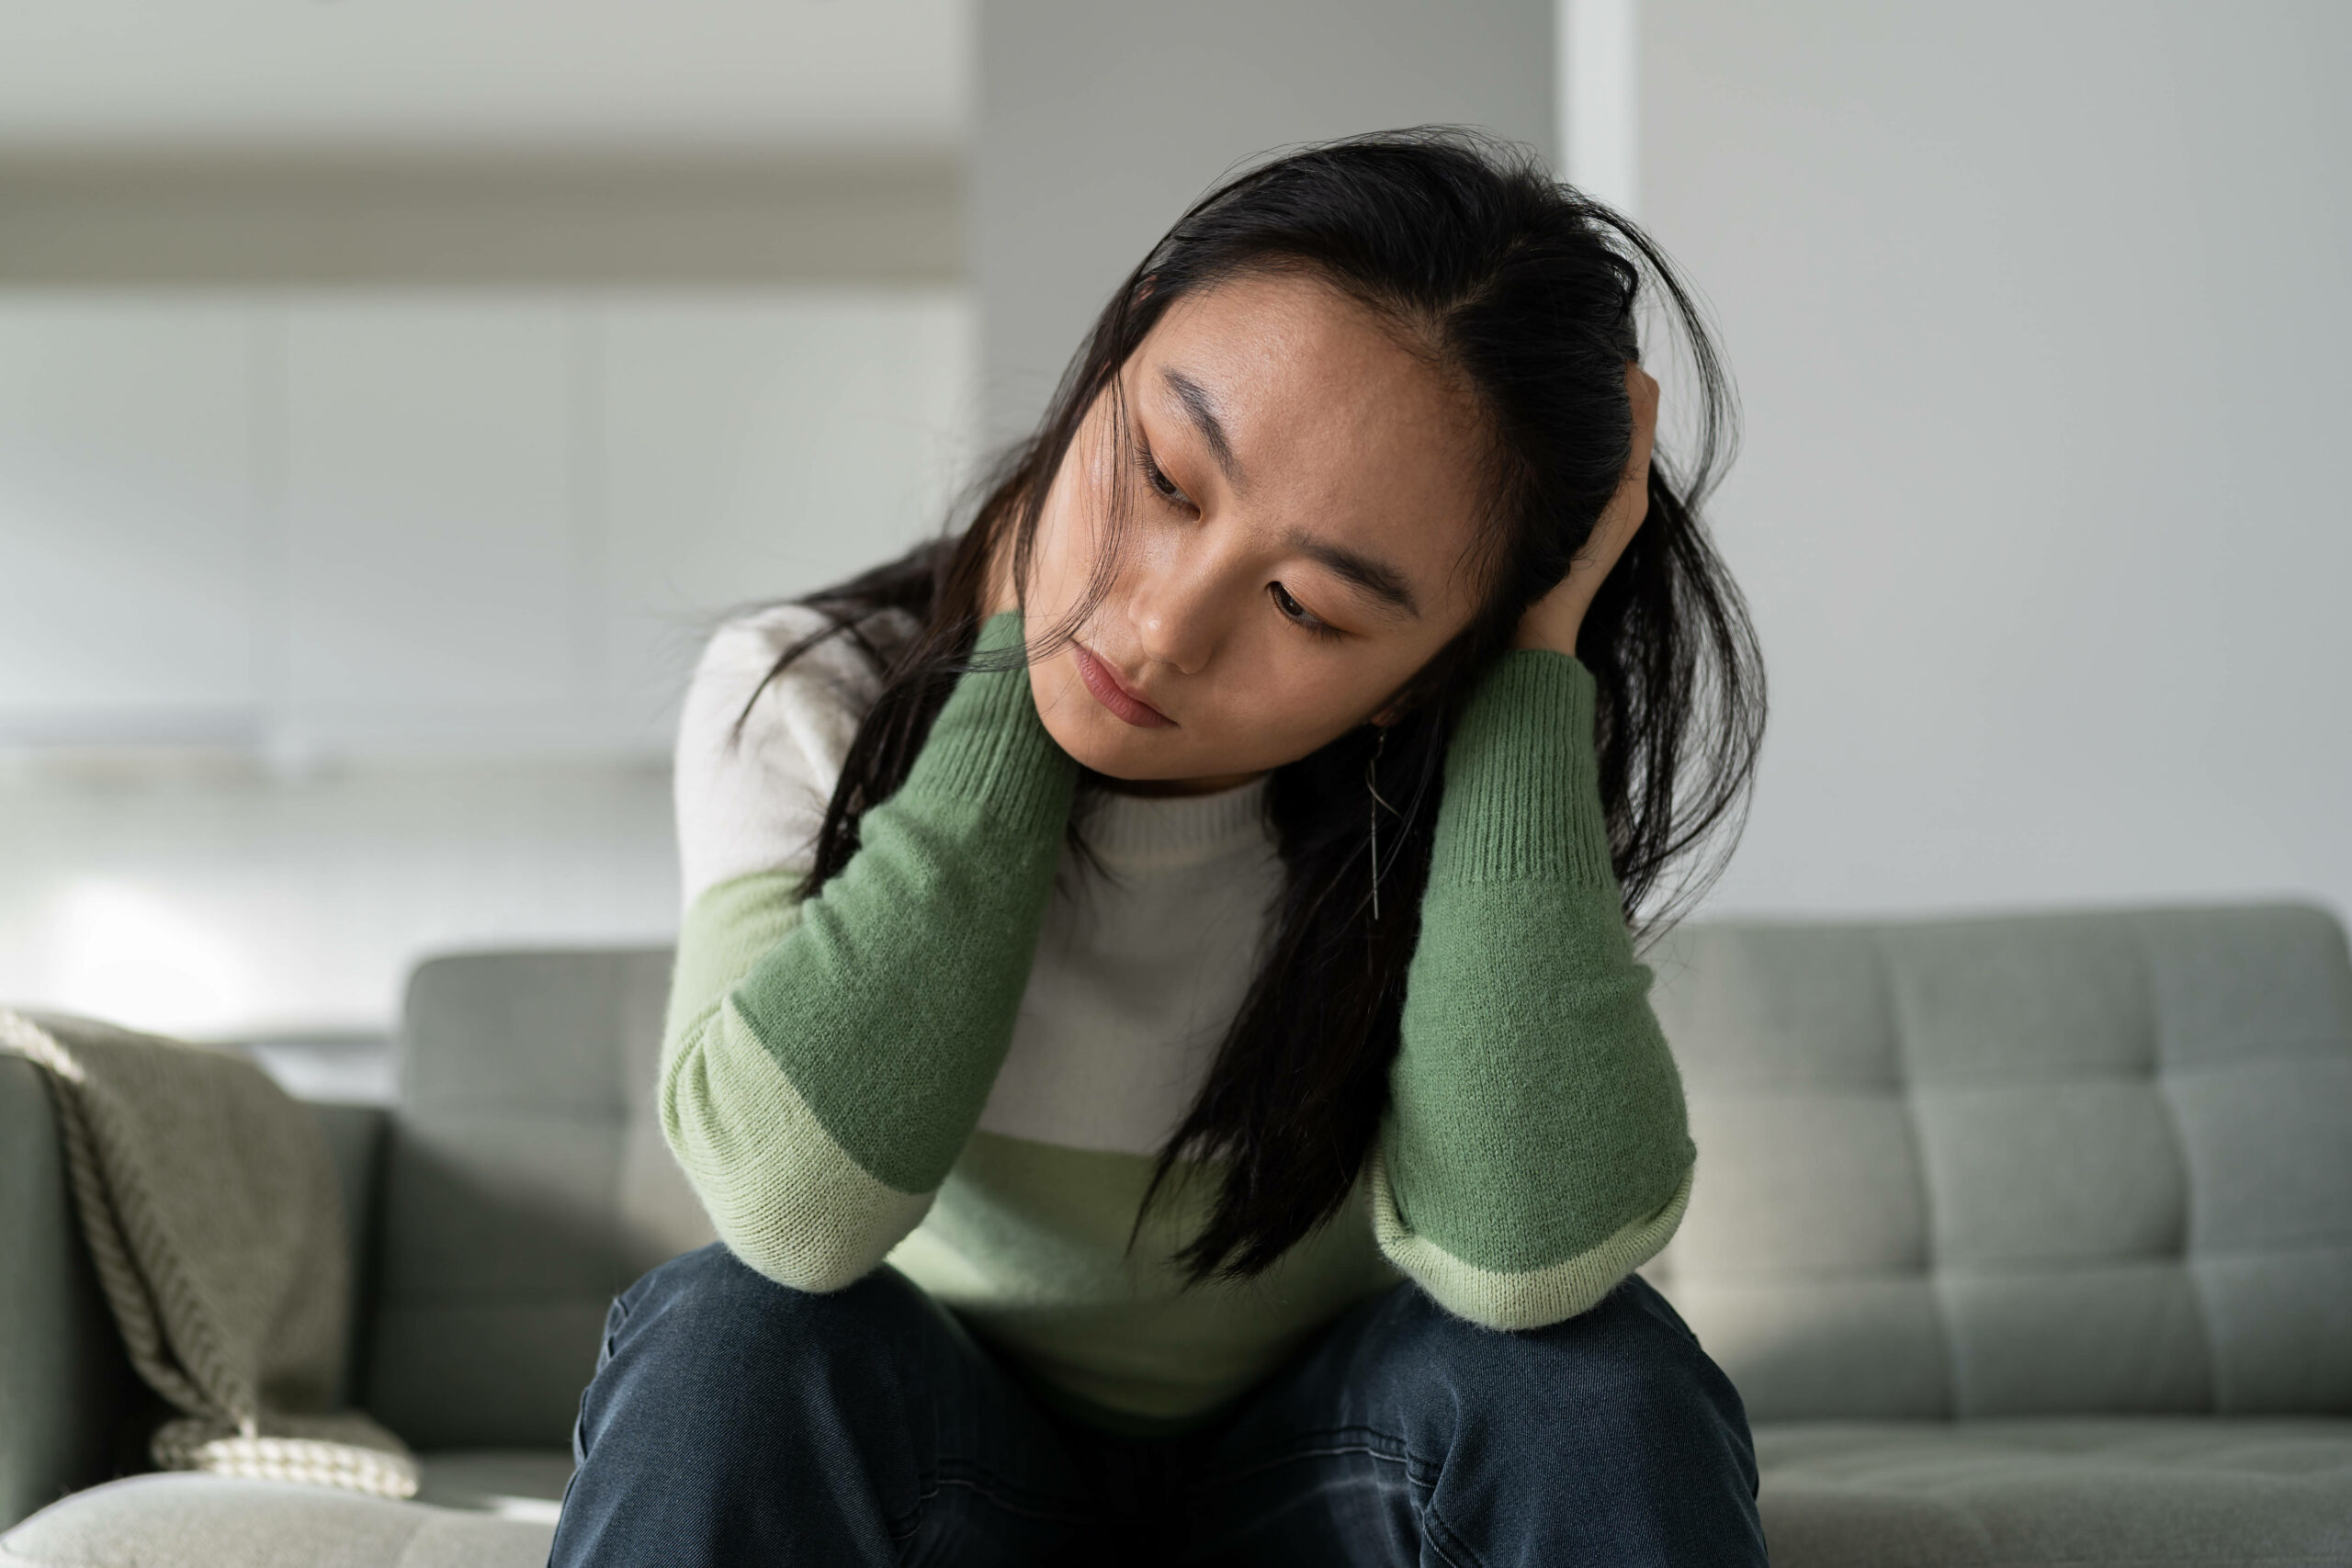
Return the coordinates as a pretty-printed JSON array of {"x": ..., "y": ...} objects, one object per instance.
[{"x": 1113, "y": 695}]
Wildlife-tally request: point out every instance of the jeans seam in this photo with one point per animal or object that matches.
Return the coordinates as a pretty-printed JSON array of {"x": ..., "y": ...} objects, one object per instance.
[
  {"x": 1420, "y": 1475},
  {"x": 1442, "y": 1539},
  {"x": 986, "y": 1486},
  {"x": 580, "y": 1408},
  {"x": 1328, "y": 1442}
]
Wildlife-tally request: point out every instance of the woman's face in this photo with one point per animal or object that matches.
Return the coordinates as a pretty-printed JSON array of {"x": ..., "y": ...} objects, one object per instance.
[{"x": 1304, "y": 493}]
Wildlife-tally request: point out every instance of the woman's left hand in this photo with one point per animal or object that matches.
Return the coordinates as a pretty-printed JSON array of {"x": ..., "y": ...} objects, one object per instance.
[{"x": 1553, "y": 620}]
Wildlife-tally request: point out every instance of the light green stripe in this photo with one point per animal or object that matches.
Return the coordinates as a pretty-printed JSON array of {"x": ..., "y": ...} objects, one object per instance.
[
  {"x": 1530, "y": 1298},
  {"x": 787, "y": 1199},
  {"x": 1024, "y": 1241}
]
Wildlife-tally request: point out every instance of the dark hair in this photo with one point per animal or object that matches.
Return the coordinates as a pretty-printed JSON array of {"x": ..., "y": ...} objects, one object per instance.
[{"x": 1531, "y": 293}]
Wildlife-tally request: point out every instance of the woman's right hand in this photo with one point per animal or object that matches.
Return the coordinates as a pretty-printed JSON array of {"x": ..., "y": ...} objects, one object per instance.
[{"x": 1553, "y": 620}]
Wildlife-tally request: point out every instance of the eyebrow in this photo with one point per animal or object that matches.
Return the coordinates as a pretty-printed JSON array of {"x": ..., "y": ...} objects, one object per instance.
[
  {"x": 1202, "y": 409},
  {"x": 1371, "y": 575}
]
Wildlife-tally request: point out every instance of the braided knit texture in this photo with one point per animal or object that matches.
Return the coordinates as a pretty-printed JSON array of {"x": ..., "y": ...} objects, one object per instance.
[{"x": 210, "y": 1206}]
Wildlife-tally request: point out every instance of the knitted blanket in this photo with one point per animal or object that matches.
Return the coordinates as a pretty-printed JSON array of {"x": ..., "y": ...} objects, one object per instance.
[{"x": 208, "y": 1201}]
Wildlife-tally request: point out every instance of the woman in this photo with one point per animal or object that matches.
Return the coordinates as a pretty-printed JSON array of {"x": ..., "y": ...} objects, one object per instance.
[{"x": 1156, "y": 1025}]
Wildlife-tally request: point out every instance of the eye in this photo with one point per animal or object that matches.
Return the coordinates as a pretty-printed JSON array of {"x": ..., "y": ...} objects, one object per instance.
[
  {"x": 1157, "y": 478},
  {"x": 1297, "y": 613}
]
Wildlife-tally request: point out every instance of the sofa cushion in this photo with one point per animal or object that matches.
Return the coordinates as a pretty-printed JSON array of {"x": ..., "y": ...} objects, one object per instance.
[
  {"x": 2018, "y": 1494},
  {"x": 475, "y": 1507},
  {"x": 517, "y": 1483},
  {"x": 2080, "y": 1163},
  {"x": 200, "y": 1521},
  {"x": 526, "y": 1184},
  {"x": 2120, "y": 1493}
]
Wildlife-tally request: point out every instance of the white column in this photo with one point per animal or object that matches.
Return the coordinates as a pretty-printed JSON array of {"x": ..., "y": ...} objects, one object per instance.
[
  {"x": 1599, "y": 76},
  {"x": 1098, "y": 124}
]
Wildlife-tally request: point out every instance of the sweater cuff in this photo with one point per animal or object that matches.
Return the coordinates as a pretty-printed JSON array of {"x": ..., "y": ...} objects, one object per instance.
[
  {"x": 1522, "y": 795},
  {"x": 988, "y": 744}
]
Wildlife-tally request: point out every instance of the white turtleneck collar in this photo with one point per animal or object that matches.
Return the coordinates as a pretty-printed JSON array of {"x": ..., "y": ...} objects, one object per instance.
[
  {"x": 1159, "y": 832},
  {"x": 1136, "y": 976}
]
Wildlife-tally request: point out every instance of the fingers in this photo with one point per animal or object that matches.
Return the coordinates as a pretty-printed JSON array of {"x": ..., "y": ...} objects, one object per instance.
[
  {"x": 1631, "y": 505},
  {"x": 1641, "y": 392},
  {"x": 1641, "y": 386},
  {"x": 1552, "y": 621}
]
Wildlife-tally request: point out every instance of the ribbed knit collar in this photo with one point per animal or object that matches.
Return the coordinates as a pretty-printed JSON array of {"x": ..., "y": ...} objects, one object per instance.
[{"x": 1166, "y": 831}]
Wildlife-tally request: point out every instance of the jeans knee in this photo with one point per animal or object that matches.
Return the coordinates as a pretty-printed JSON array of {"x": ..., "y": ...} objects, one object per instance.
[
  {"x": 1626, "y": 1366},
  {"x": 1610, "y": 1435},
  {"x": 731, "y": 1413},
  {"x": 711, "y": 1281},
  {"x": 706, "y": 1326}
]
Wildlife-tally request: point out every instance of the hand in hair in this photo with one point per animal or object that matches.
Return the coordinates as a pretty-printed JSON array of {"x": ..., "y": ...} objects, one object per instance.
[{"x": 1553, "y": 620}]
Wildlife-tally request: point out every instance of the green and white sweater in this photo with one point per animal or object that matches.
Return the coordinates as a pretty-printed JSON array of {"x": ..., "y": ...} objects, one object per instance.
[{"x": 962, "y": 1055}]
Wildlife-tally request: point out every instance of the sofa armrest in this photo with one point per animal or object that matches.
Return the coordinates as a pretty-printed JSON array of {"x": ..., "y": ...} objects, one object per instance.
[
  {"x": 355, "y": 1143},
  {"x": 64, "y": 1381},
  {"x": 66, "y": 1388}
]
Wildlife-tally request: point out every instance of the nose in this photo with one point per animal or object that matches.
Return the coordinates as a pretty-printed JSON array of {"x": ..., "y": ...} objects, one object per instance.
[{"x": 1175, "y": 605}]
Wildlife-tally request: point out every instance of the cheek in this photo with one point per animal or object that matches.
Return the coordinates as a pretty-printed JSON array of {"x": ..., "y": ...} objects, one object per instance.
[
  {"x": 1299, "y": 696},
  {"x": 1079, "y": 507},
  {"x": 1062, "y": 700},
  {"x": 1061, "y": 569},
  {"x": 1064, "y": 553},
  {"x": 1292, "y": 704}
]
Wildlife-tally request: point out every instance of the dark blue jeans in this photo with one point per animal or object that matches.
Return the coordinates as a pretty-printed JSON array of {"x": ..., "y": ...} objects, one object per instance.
[{"x": 735, "y": 1421}]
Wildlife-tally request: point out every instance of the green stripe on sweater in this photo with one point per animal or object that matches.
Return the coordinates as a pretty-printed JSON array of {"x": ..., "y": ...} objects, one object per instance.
[
  {"x": 1528, "y": 1298},
  {"x": 891, "y": 1006},
  {"x": 1536, "y": 1111},
  {"x": 827, "y": 1060},
  {"x": 817, "y": 1222}
]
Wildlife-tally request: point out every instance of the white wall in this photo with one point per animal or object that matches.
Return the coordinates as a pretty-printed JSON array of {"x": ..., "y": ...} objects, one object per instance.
[
  {"x": 212, "y": 902},
  {"x": 619, "y": 77},
  {"x": 1098, "y": 125},
  {"x": 339, "y": 627},
  {"x": 2042, "y": 312},
  {"x": 390, "y": 397},
  {"x": 348, "y": 523}
]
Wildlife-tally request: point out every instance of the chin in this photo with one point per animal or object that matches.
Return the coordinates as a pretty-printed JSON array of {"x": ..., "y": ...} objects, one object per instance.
[{"x": 1092, "y": 747}]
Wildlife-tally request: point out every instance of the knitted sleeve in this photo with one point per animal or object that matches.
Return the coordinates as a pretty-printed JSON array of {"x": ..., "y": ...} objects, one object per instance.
[
  {"x": 1534, "y": 1151},
  {"x": 826, "y": 1059}
]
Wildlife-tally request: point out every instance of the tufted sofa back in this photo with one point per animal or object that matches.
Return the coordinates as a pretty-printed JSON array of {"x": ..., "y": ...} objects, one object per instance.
[
  {"x": 2094, "y": 1162},
  {"x": 525, "y": 1184},
  {"x": 2074, "y": 1163}
]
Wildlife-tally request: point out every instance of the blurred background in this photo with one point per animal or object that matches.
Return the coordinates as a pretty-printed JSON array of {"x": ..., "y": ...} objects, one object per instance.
[{"x": 393, "y": 396}]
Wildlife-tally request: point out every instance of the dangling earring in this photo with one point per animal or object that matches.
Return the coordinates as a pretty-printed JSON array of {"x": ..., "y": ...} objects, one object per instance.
[{"x": 1371, "y": 767}]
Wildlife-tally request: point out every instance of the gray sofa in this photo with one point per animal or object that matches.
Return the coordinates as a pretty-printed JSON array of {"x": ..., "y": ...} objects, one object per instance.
[
  {"x": 2028, "y": 1240},
  {"x": 519, "y": 1185}
]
